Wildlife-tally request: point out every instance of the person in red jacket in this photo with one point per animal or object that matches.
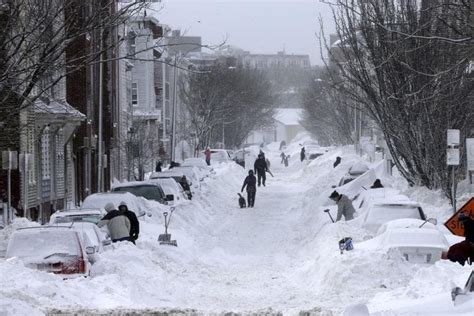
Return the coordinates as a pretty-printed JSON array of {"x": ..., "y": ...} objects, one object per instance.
[{"x": 207, "y": 153}]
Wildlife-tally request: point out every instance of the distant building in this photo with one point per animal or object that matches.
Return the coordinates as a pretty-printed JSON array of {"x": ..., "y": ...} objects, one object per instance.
[
  {"x": 279, "y": 60},
  {"x": 286, "y": 125}
]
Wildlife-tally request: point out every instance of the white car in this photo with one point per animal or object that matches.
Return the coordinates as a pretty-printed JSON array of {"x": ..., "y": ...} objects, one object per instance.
[
  {"x": 174, "y": 191},
  {"x": 367, "y": 197},
  {"x": 173, "y": 174},
  {"x": 355, "y": 171},
  {"x": 194, "y": 174},
  {"x": 99, "y": 200},
  {"x": 415, "y": 245},
  {"x": 382, "y": 212},
  {"x": 92, "y": 215},
  {"x": 58, "y": 250}
]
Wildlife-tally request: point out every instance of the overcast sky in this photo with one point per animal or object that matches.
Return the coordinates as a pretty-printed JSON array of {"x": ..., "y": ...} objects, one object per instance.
[{"x": 259, "y": 26}]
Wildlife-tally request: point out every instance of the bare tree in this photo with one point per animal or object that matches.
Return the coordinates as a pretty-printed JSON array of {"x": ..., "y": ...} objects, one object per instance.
[
  {"x": 34, "y": 39},
  {"x": 329, "y": 114},
  {"x": 407, "y": 64},
  {"x": 237, "y": 100}
]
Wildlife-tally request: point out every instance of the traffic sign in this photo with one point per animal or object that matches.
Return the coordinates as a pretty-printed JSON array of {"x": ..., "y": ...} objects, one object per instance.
[{"x": 453, "y": 223}]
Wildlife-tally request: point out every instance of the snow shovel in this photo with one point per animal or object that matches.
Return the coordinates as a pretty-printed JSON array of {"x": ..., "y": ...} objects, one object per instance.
[
  {"x": 268, "y": 170},
  {"x": 165, "y": 239},
  {"x": 330, "y": 216}
]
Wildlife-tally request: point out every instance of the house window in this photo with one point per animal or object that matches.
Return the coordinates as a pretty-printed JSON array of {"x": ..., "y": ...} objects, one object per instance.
[
  {"x": 134, "y": 94},
  {"x": 45, "y": 158}
]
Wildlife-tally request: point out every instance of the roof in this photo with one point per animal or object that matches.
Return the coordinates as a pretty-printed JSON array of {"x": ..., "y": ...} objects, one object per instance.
[
  {"x": 288, "y": 116},
  {"x": 57, "y": 107}
]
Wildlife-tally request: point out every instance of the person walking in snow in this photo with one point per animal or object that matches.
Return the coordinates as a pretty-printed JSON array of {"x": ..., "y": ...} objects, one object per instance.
[
  {"x": 207, "y": 154},
  {"x": 282, "y": 156},
  {"x": 302, "y": 154},
  {"x": 344, "y": 206},
  {"x": 134, "y": 224},
  {"x": 337, "y": 162},
  {"x": 117, "y": 223},
  {"x": 158, "y": 166},
  {"x": 260, "y": 167},
  {"x": 251, "y": 183}
]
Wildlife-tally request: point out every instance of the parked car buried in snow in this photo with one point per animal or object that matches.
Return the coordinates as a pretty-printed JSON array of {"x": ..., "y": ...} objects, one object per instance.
[
  {"x": 355, "y": 171},
  {"x": 219, "y": 155},
  {"x": 99, "y": 200},
  {"x": 149, "y": 191},
  {"x": 174, "y": 192},
  {"x": 415, "y": 245},
  {"x": 55, "y": 249}
]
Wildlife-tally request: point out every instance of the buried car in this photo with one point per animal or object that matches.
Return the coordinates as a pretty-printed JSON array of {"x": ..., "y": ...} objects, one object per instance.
[
  {"x": 149, "y": 191},
  {"x": 354, "y": 172},
  {"x": 414, "y": 240},
  {"x": 415, "y": 245},
  {"x": 54, "y": 249},
  {"x": 173, "y": 190},
  {"x": 92, "y": 236}
]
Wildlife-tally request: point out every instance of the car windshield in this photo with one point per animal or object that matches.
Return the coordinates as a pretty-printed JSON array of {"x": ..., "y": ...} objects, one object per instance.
[
  {"x": 149, "y": 192},
  {"x": 385, "y": 213},
  {"x": 37, "y": 244},
  {"x": 90, "y": 218}
]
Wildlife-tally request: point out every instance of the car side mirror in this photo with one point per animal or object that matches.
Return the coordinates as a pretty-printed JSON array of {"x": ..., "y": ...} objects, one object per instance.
[
  {"x": 90, "y": 250},
  {"x": 170, "y": 197},
  {"x": 433, "y": 221}
]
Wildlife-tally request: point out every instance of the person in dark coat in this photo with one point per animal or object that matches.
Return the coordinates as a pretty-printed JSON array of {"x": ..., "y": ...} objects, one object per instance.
[
  {"x": 251, "y": 183},
  {"x": 337, "y": 162},
  {"x": 302, "y": 154},
  {"x": 377, "y": 184},
  {"x": 282, "y": 156},
  {"x": 468, "y": 224},
  {"x": 260, "y": 167},
  {"x": 134, "y": 224},
  {"x": 184, "y": 183},
  {"x": 158, "y": 166}
]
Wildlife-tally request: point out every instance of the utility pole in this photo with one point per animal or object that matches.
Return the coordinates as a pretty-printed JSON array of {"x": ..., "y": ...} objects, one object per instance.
[
  {"x": 99, "y": 145},
  {"x": 173, "y": 127}
]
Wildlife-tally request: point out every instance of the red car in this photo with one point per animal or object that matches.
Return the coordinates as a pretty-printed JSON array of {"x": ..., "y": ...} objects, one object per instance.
[{"x": 55, "y": 249}]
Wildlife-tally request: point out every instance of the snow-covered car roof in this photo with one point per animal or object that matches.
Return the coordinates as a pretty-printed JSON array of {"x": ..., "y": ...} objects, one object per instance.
[
  {"x": 167, "y": 174},
  {"x": 358, "y": 168},
  {"x": 368, "y": 196},
  {"x": 25, "y": 243},
  {"x": 99, "y": 200},
  {"x": 170, "y": 186},
  {"x": 195, "y": 162}
]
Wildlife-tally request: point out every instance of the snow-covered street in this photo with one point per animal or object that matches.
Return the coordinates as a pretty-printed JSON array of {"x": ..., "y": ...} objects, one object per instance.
[{"x": 281, "y": 256}]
